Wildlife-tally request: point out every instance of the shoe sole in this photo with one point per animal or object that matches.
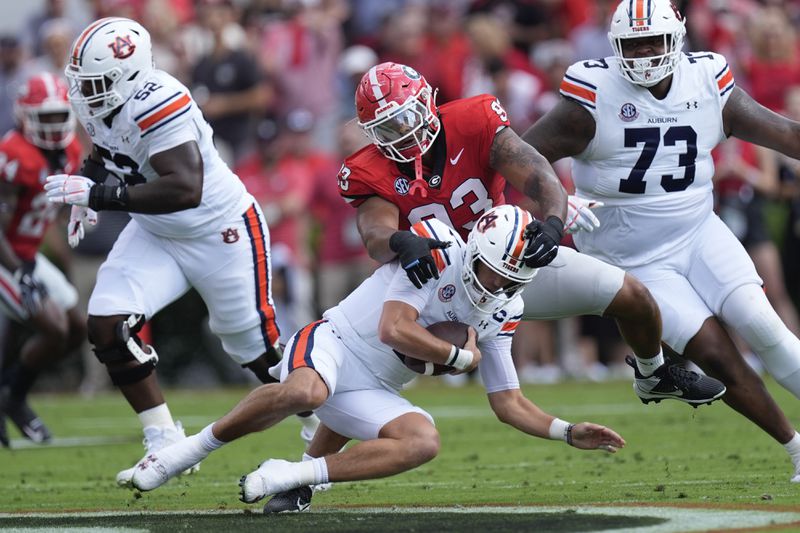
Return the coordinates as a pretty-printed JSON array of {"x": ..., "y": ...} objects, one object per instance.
[
  {"x": 693, "y": 403},
  {"x": 284, "y": 511}
]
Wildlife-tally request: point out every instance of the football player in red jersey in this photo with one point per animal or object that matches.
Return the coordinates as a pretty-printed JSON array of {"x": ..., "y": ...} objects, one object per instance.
[
  {"x": 32, "y": 290},
  {"x": 452, "y": 163}
]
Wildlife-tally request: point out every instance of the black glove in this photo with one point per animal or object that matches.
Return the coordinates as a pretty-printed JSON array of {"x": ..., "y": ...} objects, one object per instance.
[
  {"x": 543, "y": 239},
  {"x": 415, "y": 256},
  {"x": 32, "y": 291}
]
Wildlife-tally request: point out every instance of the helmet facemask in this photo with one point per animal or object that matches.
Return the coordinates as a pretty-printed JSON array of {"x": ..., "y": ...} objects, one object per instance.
[
  {"x": 93, "y": 95},
  {"x": 497, "y": 242},
  {"x": 51, "y": 130},
  {"x": 648, "y": 71},
  {"x": 657, "y": 19},
  {"x": 484, "y": 300},
  {"x": 405, "y": 132}
]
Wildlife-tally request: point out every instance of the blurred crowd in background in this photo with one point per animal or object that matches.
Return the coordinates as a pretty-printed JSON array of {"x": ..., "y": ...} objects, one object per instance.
[{"x": 276, "y": 78}]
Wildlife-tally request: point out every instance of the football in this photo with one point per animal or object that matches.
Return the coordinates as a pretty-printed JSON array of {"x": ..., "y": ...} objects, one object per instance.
[{"x": 452, "y": 332}]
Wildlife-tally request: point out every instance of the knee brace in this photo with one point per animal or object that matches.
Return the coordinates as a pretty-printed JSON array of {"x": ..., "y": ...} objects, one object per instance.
[
  {"x": 128, "y": 347},
  {"x": 749, "y": 312}
]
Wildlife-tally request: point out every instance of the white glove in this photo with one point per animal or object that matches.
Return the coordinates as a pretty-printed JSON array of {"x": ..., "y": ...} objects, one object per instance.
[
  {"x": 580, "y": 216},
  {"x": 77, "y": 217},
  {"x": 68, "y": 189}
]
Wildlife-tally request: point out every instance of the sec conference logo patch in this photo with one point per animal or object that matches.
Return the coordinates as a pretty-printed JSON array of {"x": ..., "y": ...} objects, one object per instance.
[
  {"x": 628, "y": 113},
  {"x": 401, "y": 185},
  {"x": 447, "y": 292}
]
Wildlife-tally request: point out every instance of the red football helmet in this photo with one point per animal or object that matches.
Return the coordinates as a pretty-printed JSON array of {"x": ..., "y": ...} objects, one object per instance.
[
  {"x": 397, "y": 110},
  {"x": 44, "y": 112}
]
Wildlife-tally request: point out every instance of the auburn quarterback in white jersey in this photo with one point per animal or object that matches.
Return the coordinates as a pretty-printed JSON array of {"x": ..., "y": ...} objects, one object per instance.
[
  {"x": 640, "y": 127},
  {"x": 345, "y": 368},
  {"x": 193, "y": 223}
]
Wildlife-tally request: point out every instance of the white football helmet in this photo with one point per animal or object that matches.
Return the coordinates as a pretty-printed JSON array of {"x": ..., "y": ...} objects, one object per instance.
[
  {"x": 108, "y": 61},
  {"x": 647, "y": 18},
  {"x": 498, "y": 241}
]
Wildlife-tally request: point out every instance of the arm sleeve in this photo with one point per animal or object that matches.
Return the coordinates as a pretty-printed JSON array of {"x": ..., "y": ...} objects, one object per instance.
[
  {"x": 723, "y": 78},
  {"x": 496, "y": 366},
  {"x": 169, "y": 122}
]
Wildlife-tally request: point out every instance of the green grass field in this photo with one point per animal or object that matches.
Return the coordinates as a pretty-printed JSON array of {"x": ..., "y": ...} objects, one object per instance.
[{"x": 488, "y": 476}]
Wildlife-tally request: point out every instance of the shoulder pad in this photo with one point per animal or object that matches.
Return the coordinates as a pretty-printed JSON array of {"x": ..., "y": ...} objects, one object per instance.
[
  {"x": 717, "y": 66},
  {"x": 436, "y": 229},
  {"x": 580, "y": 82}
]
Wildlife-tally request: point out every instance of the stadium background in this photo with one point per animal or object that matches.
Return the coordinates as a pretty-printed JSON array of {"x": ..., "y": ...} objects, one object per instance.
[{"x": 275, "y": 78}]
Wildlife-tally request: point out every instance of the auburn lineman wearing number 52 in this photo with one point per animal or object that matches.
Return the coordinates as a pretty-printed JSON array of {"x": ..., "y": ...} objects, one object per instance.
[
  {"x": 193, "y": 223},
  {"x": 641, "y": 126}
]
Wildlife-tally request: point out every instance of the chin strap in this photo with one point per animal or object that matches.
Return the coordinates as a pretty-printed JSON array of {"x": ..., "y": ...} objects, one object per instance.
[{"x": 418, "y": 185}]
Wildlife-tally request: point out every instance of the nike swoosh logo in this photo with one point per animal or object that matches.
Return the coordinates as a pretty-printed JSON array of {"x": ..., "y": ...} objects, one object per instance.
[{"x": 454, "y": 160}]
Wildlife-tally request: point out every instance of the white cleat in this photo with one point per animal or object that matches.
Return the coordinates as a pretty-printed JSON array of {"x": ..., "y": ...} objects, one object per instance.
[
  {"x": 156, "y": 438},
  {"x": 272, "y": 477},
  {"x": 166, "y": 463}
]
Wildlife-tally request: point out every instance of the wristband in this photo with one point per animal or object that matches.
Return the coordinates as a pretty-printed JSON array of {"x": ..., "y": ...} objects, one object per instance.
[
  {"x": 108, "y": 198},
  {"x": 561, "y": 430},
  {"x": 459, "y": 358}
]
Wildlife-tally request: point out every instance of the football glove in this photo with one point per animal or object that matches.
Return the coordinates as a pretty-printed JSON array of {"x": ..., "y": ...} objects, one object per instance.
[
  {"x": 580, "y": 216},
  {"x": 415, "y": 256},
  {"x": 78, "y": 217},
  {"x": 32, "y": 291},
  {"x": 543, "y": 239},
  {"x": 68, "y": 189}
]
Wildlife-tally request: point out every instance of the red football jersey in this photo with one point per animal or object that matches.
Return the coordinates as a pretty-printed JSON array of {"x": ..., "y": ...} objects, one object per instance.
[
  {"x": 24, "y": 165},
  {"x": 468, "y": 186}
]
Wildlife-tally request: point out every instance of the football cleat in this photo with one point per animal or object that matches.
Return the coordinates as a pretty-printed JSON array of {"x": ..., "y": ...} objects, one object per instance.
[
  {"x": 291, "y": 501},
  {"x": 155, "y": 438},
  {"x": 273, "y": 476},
  {"x": 672, "y": 381},
  {"x": 162, "y": 465},
  {"x": 26, "y": 420}
]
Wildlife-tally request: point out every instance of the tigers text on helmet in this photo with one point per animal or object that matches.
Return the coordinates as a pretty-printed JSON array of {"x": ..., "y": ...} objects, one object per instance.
[
  {"x": 107, "y": 62},
  {"x": 43, "y": 112},
  {"x": 634, "y": 19},
  {"x": 397, "y": 110},
  {"x": 498, "y": 241}
]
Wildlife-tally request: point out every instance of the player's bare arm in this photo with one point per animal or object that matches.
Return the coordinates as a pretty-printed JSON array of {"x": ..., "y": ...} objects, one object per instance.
[
  {"x": 377, "y": 219},
  {"x": 399, "y": 329},
  {"x": 525, "y": 168},
  {"x": 179, "y": 187},
  {"x": 566, "y": 130},
  {"x": 514, "y": 409},
  {"x": 746, "y": 119}
]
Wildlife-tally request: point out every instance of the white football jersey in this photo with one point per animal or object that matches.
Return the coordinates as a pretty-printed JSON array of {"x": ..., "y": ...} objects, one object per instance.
[
  {"x": 650, "y": 160},
  {"x": 159, "y": 116},
  {"x": 356, "y": 318}
]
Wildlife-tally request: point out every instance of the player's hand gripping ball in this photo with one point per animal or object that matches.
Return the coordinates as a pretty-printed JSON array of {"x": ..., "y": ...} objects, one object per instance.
[{"x": 452, "y": 332}]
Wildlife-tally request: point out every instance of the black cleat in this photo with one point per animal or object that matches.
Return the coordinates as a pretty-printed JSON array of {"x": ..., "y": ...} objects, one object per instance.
[
  {"x": 26, "y": 420},
  {"x": 291, "y": 501},
  {"x": 672, "y": 381}
]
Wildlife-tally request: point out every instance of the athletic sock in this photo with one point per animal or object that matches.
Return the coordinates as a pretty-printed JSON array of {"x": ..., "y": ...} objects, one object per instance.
[
  {"x": 793, "y": 449},
  {"x": 648, "y": 366},
  {"x": 208, "y": 440},
  {"x": 312, "y": 472},
  {"x": 158, "y": 416}
]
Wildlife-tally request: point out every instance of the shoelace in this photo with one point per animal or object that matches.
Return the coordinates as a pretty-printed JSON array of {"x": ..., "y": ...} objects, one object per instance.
[{"x": 681, "y": 376}]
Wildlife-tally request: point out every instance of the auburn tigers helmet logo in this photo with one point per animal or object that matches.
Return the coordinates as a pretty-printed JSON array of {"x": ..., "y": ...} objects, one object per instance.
[{"x": 122, "y": 47}]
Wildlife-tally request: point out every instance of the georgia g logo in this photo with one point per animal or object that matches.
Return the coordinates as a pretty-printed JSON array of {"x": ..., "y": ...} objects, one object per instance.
[{"x": 122, "y": 47}]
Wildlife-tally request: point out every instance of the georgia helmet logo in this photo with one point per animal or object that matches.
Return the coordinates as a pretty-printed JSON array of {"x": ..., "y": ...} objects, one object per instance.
[{"x": 122, "y": 47}]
